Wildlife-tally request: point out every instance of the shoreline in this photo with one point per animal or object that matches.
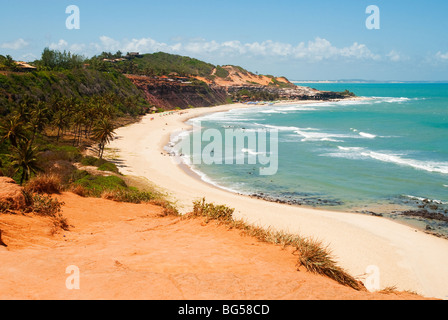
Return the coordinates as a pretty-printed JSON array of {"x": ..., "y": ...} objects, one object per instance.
[{"x": 407, "y": 258}]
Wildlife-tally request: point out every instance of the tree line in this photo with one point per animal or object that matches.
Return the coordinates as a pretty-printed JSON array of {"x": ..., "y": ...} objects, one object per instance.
[{"x": 78, "y": 120}]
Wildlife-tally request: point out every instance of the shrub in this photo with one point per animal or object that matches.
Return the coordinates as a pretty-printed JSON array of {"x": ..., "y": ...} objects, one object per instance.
[
  {"x": 108, "y": 166},
  {"x": 211, "y": 211},
  {"x": 67, "y": 153},
  {"x": 78, "y": 190},
  {"x": 221, "y": 72},
  {"x": 96, "y": 185},
  {"x": 44, "y": 183},
  {"x": 103, "y": 165},
  {"x": 59, "y": 222},
  {"x": 62, "y": 168},
  {"x": 168, "y": 208},
  {"x": 46, "y": 205},
  {"x": 92, "y": 161},
  {"x": 78, "y": 175},
  {"x": 129, "y": 196}
]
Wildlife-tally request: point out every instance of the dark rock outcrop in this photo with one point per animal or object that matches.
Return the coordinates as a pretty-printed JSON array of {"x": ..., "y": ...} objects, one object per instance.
[
  {"x": 294, "y": 93},
  {"x": 173, "y": 94}
]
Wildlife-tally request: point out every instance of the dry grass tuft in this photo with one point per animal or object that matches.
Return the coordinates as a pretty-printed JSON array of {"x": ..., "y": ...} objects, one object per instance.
[
  {"x": 312, "y": 255},
  {"x": 45, "y": 184},
  {"x": 318, "y": 259},
  {"x": 168, "y": 208},
  {"x": 110, "y": 195},
  {"x": 79, "y": 190},
  {"x": 389, "y": 290},
  {"x": 59, "y": 223}
]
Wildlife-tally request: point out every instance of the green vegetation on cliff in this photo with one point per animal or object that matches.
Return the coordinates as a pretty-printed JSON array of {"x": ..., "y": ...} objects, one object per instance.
[
  {"x": 48, "y": 115},
  {"x": 80, "y": 84},
  {"x": 156, "y": 64}
]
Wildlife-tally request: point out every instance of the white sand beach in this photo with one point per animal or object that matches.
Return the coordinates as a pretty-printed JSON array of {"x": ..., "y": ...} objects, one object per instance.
[{"x": 407, "y": 258}]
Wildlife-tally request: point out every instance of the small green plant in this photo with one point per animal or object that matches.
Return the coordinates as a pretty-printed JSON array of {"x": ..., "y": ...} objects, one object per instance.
[
  {"x": 168, "y": 208},
  {"x": 108, "y": 166},
  {"x": 91, "y": 161},
  {"x": 96, "y": 185},
  {"x": 221, "y": 72},
  {"x": 46, "y": 206},
  {"x": 212, "y": 211},
  {"x": 129, "y": 195}
]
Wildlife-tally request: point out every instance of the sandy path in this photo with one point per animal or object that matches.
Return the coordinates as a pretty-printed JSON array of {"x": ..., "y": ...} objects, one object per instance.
[
  {"x": 126, "y": 251},
  {"x": 406, "y": 258}
]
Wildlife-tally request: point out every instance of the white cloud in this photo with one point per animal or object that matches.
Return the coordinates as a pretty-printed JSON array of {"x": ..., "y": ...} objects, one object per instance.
[
  {"x": 313, "y": 51},
  {"x": 29, "y": 57},
  {"x": 394, "y": 56},
  {"x": 442, "y": 56},
  {"x": 317, "y": 50},
  {"x": 60, "y": 45},
  {"x": 15, "y": 45}
]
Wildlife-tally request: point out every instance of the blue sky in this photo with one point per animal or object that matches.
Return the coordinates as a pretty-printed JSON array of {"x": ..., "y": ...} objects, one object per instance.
[{"x": 300, "y": 39}]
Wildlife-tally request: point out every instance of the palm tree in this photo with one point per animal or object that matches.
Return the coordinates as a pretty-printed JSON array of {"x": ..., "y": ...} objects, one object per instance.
[
  {"x": 78, "y": 121},
  {"x": 13, "y": 130},
  {"x": 39, "y": 118},
  {"x": 103, "y": 133},
  {"x": 24, "y": 157},
  {"x": 61, "y": 122}
]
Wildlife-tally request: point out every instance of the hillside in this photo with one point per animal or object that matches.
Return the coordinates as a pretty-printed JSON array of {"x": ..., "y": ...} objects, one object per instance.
[
  {"x": 163, "y": 80},
  {"x": 237, "y": 76},
  {"x": 172, "y": 81},
  {"x": 164, "y": 64},
  {"x": 46, "y": 86}
]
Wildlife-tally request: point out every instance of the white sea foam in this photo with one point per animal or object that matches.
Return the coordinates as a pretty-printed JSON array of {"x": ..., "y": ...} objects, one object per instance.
[
  {"x": 350, "y": 148},
  {"x": 229, "y": 116},
  {"x": 430, "y": 166},
  {"x": 208, "y": 180},
  {"x": 252, "y": 152},
  {"x": 391, "y": 99},
  {"x": 297, "y": 108},
  {"x": 367, "y": 135},
  {"x": 425, "y": 199},
  {"x": 272, "y": 111},
  {"x": 309, "y": 135},
  {"x": 363, "y": 153},
  {"x": 279, "y": 128}
]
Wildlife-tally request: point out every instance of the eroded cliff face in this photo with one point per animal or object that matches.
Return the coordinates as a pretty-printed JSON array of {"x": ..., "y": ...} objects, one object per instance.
[{"x": 170, "y": 94}]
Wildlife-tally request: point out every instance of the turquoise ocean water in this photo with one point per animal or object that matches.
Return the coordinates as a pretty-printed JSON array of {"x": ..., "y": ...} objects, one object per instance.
[{"x": 381, "y": 155}]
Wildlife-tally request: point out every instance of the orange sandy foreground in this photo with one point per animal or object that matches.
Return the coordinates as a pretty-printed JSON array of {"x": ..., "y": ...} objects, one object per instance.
[{"x": 128, "y": 251}]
